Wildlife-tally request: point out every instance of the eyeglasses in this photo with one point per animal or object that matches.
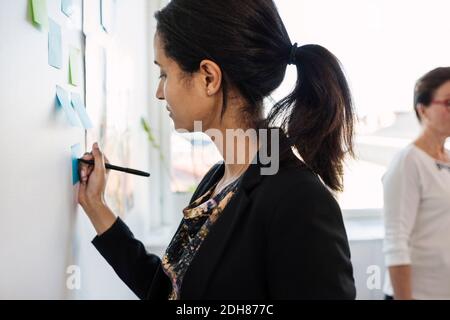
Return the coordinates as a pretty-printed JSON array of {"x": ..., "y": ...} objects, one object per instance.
[{"x": 445, "y": 103}]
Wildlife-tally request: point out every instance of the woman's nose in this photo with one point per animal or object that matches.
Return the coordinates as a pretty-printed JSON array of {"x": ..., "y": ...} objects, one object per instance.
[
  {"x": 159, "y": 97},
  {"x": 160, "y": 93}
]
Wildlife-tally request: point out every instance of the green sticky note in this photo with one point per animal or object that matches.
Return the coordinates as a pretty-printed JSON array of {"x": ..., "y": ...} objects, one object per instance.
[
  {"x": 74, "y": 66},
  {"x": 39, "y": 12}
]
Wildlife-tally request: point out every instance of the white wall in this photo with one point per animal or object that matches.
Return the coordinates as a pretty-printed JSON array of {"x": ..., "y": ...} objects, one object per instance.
[
  {"x": 42, "y": 231},
  {"x": 37, "y": 208}
]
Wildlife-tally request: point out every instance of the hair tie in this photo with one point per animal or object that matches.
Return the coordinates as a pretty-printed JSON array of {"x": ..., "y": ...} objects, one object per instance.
[{"x": 293, "y": 54}]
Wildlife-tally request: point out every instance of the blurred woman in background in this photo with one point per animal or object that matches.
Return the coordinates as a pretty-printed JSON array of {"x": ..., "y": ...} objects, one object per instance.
[{"x": 417, "y": 200}]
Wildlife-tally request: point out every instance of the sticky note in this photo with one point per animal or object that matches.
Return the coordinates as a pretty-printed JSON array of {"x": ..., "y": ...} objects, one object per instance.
[
  {"x": 54, "y": 45},
  {"x": 64, "y": 103},
  {"x": 39, "y": 12},
  {"x": 74, "y": 66},
  {"x": 79, "y": 107},
  {"x": 67, "y": 7},
  {"x": 76, "y": 154}
]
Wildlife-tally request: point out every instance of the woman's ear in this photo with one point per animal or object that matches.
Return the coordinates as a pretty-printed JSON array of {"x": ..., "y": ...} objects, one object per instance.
[
  {"x": 211, "y": 76},
  {"x": 421, "y": 109}
]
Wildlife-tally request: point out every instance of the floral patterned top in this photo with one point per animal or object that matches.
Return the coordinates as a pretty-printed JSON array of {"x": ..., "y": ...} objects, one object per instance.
[{"x": 199, "y": 216}]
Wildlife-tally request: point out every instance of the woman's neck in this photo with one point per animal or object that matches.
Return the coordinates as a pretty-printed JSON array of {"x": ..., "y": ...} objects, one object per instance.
[
  {"x": 433, "y": 144},
  {"x": 238, "y": 148}
]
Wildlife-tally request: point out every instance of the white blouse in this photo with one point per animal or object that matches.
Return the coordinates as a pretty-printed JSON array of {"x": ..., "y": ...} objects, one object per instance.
[{"x": 417, "y": 222}]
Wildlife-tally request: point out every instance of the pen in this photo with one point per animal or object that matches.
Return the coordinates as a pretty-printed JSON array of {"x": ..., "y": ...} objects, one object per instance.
[{"x": 117, "y": 168}]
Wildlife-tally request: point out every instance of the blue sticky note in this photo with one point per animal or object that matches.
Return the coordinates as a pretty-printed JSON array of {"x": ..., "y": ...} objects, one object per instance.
[
  {"x": 54, "y": 45},
  {"x": 79, "y": 107},
  {"x": 63, "y": 102},
  {"x": 67, "y": 7},
  {"x": 76, "y": 154}
]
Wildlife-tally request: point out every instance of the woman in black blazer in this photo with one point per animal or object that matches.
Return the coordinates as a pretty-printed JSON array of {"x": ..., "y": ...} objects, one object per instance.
[{"x": 267, "y": 227}]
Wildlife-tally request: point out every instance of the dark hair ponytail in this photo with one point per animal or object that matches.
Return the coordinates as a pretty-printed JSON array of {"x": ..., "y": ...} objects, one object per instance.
[
  {"x": 318, "y": 115},
  {"x": 249, "y": 42}
]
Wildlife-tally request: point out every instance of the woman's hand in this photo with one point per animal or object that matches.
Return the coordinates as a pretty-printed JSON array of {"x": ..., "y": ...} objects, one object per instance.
[
  {"x": 91, "y": 194},
  {"x": 93, "y": 181}
]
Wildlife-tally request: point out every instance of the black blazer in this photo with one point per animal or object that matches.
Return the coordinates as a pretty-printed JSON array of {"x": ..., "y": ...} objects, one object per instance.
[{"x": 279, "y": 237}]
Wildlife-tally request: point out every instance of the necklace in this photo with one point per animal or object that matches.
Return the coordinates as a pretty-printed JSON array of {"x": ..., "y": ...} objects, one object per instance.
[
  {"x": 442, "y": 166},
  {"x": 216, "y": 190}
]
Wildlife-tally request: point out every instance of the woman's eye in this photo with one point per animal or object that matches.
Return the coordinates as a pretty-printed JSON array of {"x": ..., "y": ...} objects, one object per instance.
[{"x": 162, "y": 76}]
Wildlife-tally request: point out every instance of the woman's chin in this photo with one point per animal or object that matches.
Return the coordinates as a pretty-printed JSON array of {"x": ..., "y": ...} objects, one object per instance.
[{"x": 182, "y": 129}]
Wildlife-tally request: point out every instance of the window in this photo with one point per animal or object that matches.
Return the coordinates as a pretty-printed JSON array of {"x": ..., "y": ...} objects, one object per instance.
[
  {"x": 384, "y": 46},
  {"x": 192, "y": 156}
]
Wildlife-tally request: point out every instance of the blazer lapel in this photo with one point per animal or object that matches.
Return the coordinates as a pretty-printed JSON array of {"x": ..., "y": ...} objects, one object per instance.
[{"x": 207, "y": 258}]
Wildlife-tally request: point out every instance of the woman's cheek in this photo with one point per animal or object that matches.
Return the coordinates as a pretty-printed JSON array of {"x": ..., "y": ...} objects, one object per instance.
[
  {"x": 444, "y": 121},
  {"x": 447, "y": 122},
  {"x": 176, "y": 97},
  {"x": 168, "y": 93}
]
